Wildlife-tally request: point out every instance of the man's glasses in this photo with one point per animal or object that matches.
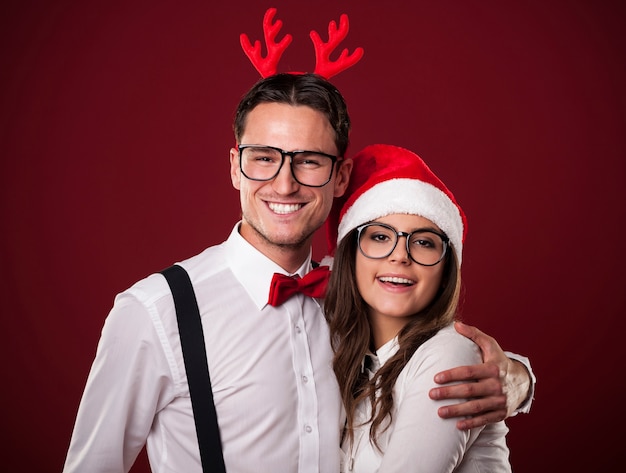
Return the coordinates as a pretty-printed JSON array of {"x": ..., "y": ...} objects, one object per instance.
[
  {"x": 263, "y": 163},
  {"x": 424, "y": 246}
]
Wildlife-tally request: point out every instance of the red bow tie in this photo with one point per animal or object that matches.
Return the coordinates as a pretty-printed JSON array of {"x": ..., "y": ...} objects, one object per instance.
[{"x": 313, "y": 284}]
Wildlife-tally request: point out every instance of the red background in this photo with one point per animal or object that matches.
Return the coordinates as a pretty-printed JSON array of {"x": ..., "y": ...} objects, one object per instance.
[{"x": 115, "y": 125}]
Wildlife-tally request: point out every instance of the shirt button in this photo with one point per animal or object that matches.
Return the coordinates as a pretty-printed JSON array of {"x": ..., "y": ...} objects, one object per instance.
[
  {"x": 298, "y": 329},
  {"x": 308, "y": 429},
  {"x": 305, "y": 379}
]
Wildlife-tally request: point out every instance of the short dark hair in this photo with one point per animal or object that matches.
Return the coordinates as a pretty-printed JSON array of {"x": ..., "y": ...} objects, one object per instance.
[{"x": 308, "y": 89}]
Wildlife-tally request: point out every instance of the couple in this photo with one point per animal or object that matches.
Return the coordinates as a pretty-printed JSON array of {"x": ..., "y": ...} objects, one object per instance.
[{"x": 278, "y": 402}]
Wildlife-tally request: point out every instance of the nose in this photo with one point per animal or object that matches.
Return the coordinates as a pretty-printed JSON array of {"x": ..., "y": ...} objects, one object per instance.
[
  {"x": 284, "y": 182},
  {"x": 400, "y": 253}
]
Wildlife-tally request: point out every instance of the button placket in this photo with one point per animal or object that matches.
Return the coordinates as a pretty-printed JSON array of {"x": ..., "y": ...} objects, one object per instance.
[{"x": 307, "y": 396}]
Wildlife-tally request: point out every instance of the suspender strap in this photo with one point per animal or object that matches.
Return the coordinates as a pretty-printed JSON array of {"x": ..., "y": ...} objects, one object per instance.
[{"x": 194, "y": 355}]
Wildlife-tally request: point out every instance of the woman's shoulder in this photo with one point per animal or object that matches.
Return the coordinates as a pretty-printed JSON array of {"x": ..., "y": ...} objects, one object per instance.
[
  {"x": 449, "y": 335},
  {"x": 447, "y": 349}
]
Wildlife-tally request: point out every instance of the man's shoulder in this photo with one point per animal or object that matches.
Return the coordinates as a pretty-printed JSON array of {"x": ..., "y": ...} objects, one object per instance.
[
  {"x": 210, "y": 262},
  {"x": 200, "y": 267}
]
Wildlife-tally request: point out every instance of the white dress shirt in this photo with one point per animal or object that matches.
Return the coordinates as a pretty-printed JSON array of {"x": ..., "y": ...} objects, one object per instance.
[
  {"x": 276, "y": 396},
  {"x": 418, "y": 440}
]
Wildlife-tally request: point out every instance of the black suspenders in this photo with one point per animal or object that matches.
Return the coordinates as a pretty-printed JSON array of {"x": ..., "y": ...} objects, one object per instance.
[{"x": 194, "y": 355}]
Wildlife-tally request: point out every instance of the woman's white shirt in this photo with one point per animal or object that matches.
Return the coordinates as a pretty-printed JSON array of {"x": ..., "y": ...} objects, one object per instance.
[{"x": 417, "y": 439}]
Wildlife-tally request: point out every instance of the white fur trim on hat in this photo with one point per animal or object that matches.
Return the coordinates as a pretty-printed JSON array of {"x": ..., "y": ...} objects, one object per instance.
[{"x": 406, "y": 196}]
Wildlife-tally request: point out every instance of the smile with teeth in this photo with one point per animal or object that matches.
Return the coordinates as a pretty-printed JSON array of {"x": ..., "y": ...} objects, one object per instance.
[
  {"x": 284, "y": 208},
  {"x": 395, "y": 280}
]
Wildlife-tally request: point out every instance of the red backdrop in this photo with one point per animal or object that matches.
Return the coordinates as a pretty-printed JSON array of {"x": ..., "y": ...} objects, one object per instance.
[{"x": 115, "y": 125}]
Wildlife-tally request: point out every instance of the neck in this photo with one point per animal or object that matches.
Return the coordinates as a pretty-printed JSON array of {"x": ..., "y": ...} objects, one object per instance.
[
  {"x": 385, "y": 328},
  {"x": 288, "y": 256}
]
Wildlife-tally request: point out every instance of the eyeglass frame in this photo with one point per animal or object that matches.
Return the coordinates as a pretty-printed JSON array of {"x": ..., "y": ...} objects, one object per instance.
[
  {"x": 291, "y": 155},
  {"x": 444, "y": 239}
]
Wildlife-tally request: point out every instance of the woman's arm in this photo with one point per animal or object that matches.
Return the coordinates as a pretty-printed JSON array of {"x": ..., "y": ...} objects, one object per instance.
[
  {"x": 497, "y": 388},
  {"x": 421, "y": 441}
]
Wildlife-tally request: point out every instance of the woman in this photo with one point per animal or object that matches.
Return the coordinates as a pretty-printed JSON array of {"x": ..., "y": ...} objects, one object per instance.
[{"x": 391, "y": 302}]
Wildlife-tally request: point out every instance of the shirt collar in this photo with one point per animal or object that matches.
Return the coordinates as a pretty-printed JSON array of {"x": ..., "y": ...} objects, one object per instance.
[
  {"x": 381, "y": 356},
  {"x": 253, "y": 269}
]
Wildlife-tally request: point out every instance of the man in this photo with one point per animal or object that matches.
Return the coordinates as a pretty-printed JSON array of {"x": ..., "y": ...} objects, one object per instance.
[{"x": 275, "y": 394}]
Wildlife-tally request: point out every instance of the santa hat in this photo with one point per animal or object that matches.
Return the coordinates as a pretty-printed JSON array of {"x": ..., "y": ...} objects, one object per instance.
[{"x": 388, "y": 180}]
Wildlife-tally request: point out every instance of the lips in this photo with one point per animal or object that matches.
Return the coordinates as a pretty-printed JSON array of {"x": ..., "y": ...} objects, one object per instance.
[
  {"x": 284, "y": 209},
  {"x": 396, "y": 280}
]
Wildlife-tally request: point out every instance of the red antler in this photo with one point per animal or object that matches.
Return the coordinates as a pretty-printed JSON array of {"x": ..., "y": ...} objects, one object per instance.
[
  {"x": 266, "y": 65},
  {"x": 323, "y": 65}
]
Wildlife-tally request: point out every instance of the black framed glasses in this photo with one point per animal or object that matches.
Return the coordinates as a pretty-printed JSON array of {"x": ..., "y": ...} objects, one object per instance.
[
  {"x": 263, "y": 163},
  {"x": 424, "y": 246}
]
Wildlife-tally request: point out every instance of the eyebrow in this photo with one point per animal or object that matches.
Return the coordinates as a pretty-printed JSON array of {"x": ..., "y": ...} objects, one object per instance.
[{"x": 418, "y": 229}]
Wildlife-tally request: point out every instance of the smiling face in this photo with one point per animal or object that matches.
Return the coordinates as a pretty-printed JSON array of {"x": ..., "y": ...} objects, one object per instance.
[
  {"x": 280, "y": 216},
  {"x": 396, "y": 288}
]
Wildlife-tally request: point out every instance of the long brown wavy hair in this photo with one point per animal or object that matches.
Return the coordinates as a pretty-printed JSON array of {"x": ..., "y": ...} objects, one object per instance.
[{"x": 351, "y": 338}]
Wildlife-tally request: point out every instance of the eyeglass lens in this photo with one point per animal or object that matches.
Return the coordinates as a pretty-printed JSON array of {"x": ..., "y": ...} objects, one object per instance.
[
  {"x": 424, "y": 246},
  {"x": 308, "y": 168}
]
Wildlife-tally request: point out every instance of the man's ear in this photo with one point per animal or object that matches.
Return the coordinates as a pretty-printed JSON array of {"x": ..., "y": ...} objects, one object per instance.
[
  {"x": 235, "y": 172},
  {"x": 343, "y": 176}
]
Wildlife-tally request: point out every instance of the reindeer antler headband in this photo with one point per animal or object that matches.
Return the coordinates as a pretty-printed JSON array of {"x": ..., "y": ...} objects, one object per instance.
[{"x": 326, "y": 68}]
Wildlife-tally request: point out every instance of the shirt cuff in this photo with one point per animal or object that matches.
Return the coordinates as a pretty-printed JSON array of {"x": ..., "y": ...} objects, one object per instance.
[{"x": 524, "y": 408}]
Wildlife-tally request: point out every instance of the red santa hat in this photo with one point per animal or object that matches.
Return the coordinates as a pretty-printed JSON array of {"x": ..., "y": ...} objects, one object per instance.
[{"x": 389, "y": 180}]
